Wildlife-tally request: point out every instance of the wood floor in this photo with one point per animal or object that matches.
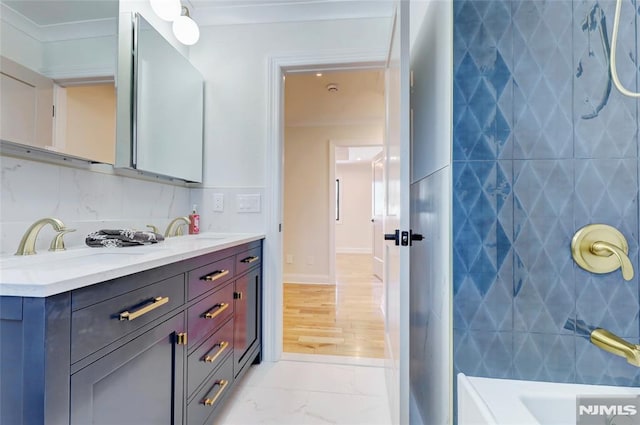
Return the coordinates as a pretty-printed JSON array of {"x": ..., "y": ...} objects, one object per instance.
[{"x": 343, "y": 319}]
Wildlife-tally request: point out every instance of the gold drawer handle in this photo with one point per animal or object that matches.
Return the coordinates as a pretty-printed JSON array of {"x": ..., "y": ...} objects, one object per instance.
[
  {"x": 211, "y": 401},
  {"x": 251, "y": 259},
  {"x": 154, "y": 303},
  {"x": 215, "y": 275},
  {"x": 223, "y": 346},
  {"x": 216, "y": 310}
]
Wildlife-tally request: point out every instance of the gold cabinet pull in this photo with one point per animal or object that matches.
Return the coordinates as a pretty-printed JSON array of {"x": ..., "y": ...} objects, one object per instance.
[
  {"x": 215, "y": 275},
  {"x": 251, "y": 259},
  {"x": 154, "y": 303},
  {"x": 211, "y": 401},
  {"x": 216, "y": 310},
  {"x": 181, "y": 338},
  {"x": 237, "y": 295},
  {"x": 223, "y": 346}
]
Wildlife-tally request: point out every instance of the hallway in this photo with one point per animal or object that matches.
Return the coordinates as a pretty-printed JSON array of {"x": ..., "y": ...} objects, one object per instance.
[{"x": 341, "y": 320}]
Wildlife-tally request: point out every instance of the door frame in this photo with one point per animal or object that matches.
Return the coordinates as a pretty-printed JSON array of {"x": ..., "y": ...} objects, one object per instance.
[{"x": 278, "y": 66}]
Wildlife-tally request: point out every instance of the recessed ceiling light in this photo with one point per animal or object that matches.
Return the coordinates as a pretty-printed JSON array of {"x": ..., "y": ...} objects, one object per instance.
[{"x": 319, "y": 74}]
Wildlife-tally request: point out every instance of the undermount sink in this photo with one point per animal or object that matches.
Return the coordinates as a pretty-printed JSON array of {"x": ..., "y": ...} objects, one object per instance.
[{"x": 65, "y": 259}]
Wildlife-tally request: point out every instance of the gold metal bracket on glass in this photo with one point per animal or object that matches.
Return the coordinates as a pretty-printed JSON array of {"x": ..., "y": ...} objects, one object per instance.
[
  {"x": 616, "y": 345},
  {"x": 154, "y": 303},
  {"x": 216, "y": 310},
  {"x": 211, "y": 401},
  {"x": 600, "y": 248}
]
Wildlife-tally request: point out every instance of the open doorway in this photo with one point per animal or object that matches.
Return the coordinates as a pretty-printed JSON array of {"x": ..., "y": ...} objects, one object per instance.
[{"x": 332, "y": 300}]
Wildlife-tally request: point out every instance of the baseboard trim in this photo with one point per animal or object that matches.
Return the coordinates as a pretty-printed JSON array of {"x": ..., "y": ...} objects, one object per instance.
[
  {"x": 308, "y": 279},
  {"x": 354, "y": 251}
]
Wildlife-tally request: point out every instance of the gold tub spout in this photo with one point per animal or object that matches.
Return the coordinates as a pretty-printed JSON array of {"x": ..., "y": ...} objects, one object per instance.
[{"x": 616, "y": 345}]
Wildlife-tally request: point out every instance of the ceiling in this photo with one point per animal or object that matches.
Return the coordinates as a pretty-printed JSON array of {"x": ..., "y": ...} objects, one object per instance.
[
  {"x": 208, "y": 12},
  {"x": 359, "y": 99}
]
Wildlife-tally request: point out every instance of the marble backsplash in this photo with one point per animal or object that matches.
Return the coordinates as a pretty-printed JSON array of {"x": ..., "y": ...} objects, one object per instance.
[{"x": 85, "y": 200}]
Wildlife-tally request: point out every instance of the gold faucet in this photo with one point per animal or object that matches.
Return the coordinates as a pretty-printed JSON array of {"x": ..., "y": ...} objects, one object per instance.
[
  {"x": 28, "y": 243},
  {"x": 175, "y": 227},
  {"x": 616, "y": 345}
]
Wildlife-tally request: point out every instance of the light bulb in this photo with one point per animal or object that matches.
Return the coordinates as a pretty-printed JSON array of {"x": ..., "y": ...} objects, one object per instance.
[
  {"x": 186, "y": 30},
  {"x": 169, "y": 10}
]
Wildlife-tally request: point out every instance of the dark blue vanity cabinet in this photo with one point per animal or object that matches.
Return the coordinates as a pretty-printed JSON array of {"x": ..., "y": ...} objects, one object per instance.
[{"x": 163, "y": 346}]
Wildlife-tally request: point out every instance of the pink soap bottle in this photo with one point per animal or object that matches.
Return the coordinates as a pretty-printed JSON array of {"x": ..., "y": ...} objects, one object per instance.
[{"x": 194, "y": 222}]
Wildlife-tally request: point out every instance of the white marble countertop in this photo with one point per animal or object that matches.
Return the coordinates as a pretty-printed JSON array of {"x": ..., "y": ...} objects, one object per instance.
[{"x": 50, "y": 273}]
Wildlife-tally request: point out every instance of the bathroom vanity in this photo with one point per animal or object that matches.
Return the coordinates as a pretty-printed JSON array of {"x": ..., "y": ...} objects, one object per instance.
[{"x": 162, "y": 345}]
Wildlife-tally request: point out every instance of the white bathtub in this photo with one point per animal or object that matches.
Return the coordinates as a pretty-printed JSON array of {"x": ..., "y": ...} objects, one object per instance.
[{"x": 488, "y": 401}]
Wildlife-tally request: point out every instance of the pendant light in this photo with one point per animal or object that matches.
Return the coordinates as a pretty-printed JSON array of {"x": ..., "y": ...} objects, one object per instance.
[{"x": 185, "y": 29}]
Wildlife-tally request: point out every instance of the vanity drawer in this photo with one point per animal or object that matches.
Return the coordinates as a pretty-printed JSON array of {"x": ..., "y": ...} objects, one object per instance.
[
  {"x": 209, "y": 356},
  {"x": 212, "y": 395},
  {"x": 98, "y": 325},
  {"x": 206, "y": 278},
  {"x": 209, "y": 314},
  {"x": 248, "y": 259}
]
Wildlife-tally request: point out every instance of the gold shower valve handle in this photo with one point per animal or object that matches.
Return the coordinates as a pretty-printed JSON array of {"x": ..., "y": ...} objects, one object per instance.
[
  {"x": 600, "y": 248},
  {"x": 605, "y": 249}
]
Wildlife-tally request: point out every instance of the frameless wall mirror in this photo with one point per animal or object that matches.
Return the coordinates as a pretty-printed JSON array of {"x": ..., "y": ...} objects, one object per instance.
[
  {"x": 57, "y": 74},
  {"x": 165, "y": 135}
]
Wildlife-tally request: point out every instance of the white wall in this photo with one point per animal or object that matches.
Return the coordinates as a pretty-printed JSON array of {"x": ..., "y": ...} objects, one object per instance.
[
  {"x": 233, "y": 60},
  {"x": 353, "y": 233},
  {"x": 306, "y": 201}
]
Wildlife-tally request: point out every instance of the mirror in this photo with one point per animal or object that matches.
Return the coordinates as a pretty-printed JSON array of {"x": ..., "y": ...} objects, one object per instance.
[
  {"x": 57, "y": 73},
  {"x": 166, "y": 135}
]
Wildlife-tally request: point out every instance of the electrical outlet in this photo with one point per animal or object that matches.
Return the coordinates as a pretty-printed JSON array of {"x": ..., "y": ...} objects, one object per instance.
[
  {"x": 218, "y": 202},
  {"x": 289, "y": 259}
]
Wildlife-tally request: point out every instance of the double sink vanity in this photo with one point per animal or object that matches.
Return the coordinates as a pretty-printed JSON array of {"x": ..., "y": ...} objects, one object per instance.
[{"x": 155, "y": 334}]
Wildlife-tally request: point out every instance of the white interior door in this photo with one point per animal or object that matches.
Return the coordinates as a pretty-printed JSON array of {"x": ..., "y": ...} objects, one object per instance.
[
  {"x": 377, "y": 211},
  {"x": 396, "y": 216}
]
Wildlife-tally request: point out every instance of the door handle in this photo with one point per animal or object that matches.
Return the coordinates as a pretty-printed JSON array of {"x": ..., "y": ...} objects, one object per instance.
[
  {"x": 403, "y": 238},
  {"x": 393, "y": 237}
]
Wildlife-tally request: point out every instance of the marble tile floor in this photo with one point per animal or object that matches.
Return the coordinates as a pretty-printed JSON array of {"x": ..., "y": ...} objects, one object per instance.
[{"x": 305, "y": 391}]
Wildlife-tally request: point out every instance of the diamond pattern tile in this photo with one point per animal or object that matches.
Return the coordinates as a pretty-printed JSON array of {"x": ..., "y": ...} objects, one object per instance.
[
  {"x": 543, "y": 227},
  {"x": 483, "y": 271},
  {"x": 542, "y": 74},
  {"x": 481, "y": 353},
  {"x": 605, "y": 121},
  {"x": 532, "y": 89},
  {"x": 481, "y": 77},
  {"x": 606, "y": 192},
  {"x": 544, "y": 357}
]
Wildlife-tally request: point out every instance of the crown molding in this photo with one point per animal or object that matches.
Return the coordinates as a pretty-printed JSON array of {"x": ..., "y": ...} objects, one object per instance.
[
  {"x": 58, "y": 32},
  {"x": 231, "y": 13}
]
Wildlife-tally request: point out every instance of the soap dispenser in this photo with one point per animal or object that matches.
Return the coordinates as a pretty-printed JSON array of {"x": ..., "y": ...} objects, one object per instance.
[{"x": 194, "y": 221}]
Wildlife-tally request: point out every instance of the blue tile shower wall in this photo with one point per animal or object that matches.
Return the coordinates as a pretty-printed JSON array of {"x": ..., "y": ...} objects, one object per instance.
[{"x": 543, "y": 144}]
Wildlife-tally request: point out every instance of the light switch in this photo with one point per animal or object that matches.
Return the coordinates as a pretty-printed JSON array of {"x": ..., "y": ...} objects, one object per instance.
[{"x": 248, "y": 203}]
